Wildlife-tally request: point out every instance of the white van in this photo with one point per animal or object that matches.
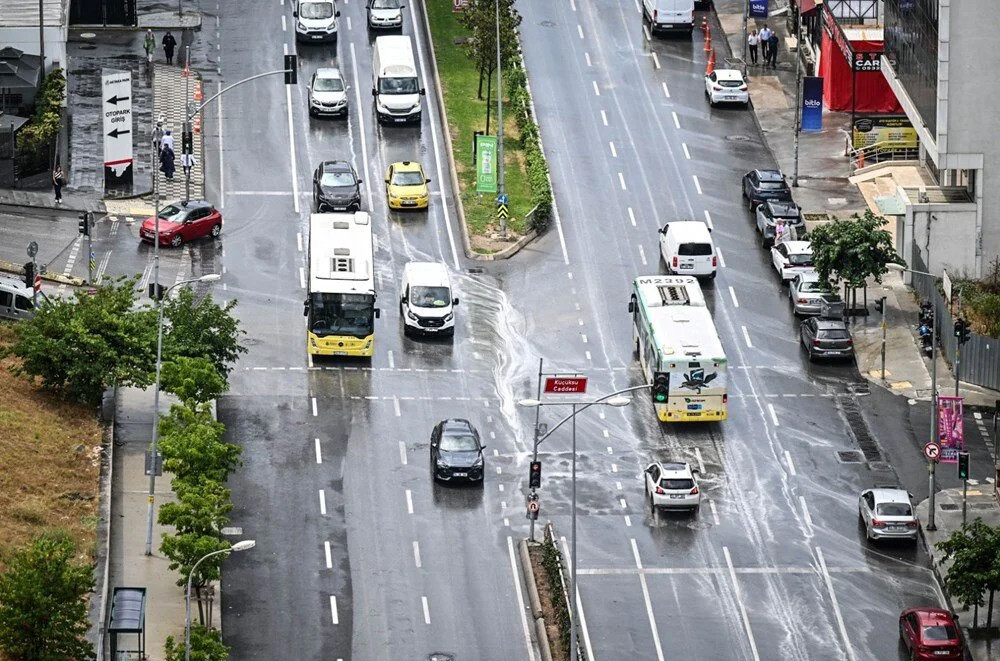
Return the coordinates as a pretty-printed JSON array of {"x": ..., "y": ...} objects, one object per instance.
[
  {"x": 425, "y": 302},
  {"x": 395, "y": 84},
  {"x": 15, "y": 299},
  {"x": 687, "y": 249},
  {"x": 315, "y": 20},
  {"x": 669, "y": 15}
]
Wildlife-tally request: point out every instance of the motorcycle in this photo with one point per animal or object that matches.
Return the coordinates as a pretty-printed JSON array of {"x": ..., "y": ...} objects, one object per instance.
[
  {"x": 926, "y": 339},
  {"x": 926, "y": 314}
]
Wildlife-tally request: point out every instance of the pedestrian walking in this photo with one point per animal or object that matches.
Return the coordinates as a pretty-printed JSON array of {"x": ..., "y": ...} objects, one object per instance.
[
  {"x": 157, "y": 136},
  {"x": 58, "y": 181},
  {"x": 752, "y": 41},
  {"x": 764, "y": 39},
  {"x": 188, "y": 161},
  {"x": 167, "y": 162},
  {"x": 149, "y": 45},
  {"x": 169, "y": 44},
  {"x": 772, "y": 50},
  {"x": 168, "y": 141}
]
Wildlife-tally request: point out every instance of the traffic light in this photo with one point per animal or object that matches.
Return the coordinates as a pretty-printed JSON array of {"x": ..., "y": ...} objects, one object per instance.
[
  {"x": 661, "y": 387},
  {"x": 291, "y": 70},
  {"x": 156, "y": 291},
  {"x": 187, "y": 139},
  {"x": 29, "y": 274},
  {"x": 535, "y": 475},
  {"x": 84, "y": 225},
  {"x": 880, "y": 305},
  {"x": 963, "y": 465},
  {"x": 963, "y": 331}
]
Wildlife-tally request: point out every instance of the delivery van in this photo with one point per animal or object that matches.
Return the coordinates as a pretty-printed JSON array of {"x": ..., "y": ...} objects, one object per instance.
[
  {"x": 426, "y": 304},
  {"x": 395, "y": 83},
  {"x": 687, "y": 249},
  {"x": 669, "y": 15}
]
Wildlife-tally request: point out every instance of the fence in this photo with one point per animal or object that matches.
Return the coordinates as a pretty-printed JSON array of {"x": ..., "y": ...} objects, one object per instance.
[{"x": 980, "y": 357}]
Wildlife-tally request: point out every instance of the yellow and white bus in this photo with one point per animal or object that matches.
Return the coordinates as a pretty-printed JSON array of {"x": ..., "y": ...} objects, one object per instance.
[
  {"x": 679, "y": 349},
  {"x": 341, "y": 308}
]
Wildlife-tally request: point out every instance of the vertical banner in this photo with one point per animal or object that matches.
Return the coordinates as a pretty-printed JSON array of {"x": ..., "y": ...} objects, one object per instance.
[
  {"x": 951, "y": 429},
  {"x": 758, "y": 8},
  {"x": 116, "y": 107},
  {"x": 486, "y": 164},
  {"x": 812, "y": 103}
]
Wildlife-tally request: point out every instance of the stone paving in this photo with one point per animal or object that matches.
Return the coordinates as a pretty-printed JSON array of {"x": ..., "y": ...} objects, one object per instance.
[{"x": 171, "y": 94}]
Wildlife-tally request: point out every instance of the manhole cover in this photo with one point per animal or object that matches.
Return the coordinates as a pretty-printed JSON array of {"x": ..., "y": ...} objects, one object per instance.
[
  {"x": 981, "y": 506},
  {"x": 476, "y": 271},
  {"x": 858, "y": 388},
  {"x": 879, "y": 466},
  {"x": 738, "y": 138},
  {"x": 849, "y": 457},
  {"x": 948, "y": 507},
  {"x": 548, "y": 24}
]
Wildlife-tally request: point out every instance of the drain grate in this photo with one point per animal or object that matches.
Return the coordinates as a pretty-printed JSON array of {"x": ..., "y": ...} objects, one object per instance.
[
  {"x": 948, "y": 507},
  {"x": 849, "y": 457},
  {"x": 859, "y": 388},
  {"x": 879, "y": 465},
  {"x": 738, "y": 138},
  {"x": 859, "y": 429},
  {"x": 981, "y": 506},
  {"x": 475, "y": 271},
  {"x": 440, "y": 656}
]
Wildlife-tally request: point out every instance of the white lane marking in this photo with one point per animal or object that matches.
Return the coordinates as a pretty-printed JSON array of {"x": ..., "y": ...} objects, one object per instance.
[
  {"x": 319, "y": 453},
  {"x": 628, "y": 521},
  {"x": 315, "y": 410},
  {"x": 416, "y": 553},
  {"x": 708, "y": 219},
  {"x": 732, "y": 294},
  {"x": 348, "y": 22},
  {"x": 677, "y": 122},
  {"x": 427, "y": 611},
  {"x": 649, "y": 604},
  {"x": 718, "y": 253},
  {"x": 614, "y": 468},
  {"x": 604, "y": 117},
  {"x": 656, "y": 61},
  {"x": 621, "y": 180},
  {"x": 579, "y": 29},
  {"x": 302, "y": 277},
  {"x": 572, "y": 4},
  {"x": 642, "y": 255},
  {"x": 402, "y": 452},
  {"x": 329, "y": 555},
  {"x": 584, "y": 337},
  {"x": 361, "y": 119},
  {"x": 222, "y": 194},
  {"x": 392, "y": 364},
  {"x": 645, "y": 32},
  {"x": 715, "y": 512},
  {"x": 587, "y": 355},
  {"x": 746, "y": 337},
  {"x": 322, "y": 502},
  {"x": 701, "y": 462},
  {"x": 409, "y": 502},
  {"x": 697, "y": 184},
  {"x": 614, "y": 152},
  {"x": 623, "y": 503},
  {"x": 587, "y": 56},
  {"x": 836, "y": 606},
  {"x": 333, "y": 609},
  {"x": 618, "y": 485},
  {"x": 291, "y": 144},
  {"x": 805, "y": 512},
  {"x": 284, "y": 24},
  {"x": 788, "y": 460},
  {"x": 520, "y": 598},
  {"x": 774, "y": 415},
  {"x": 579, "y": 604},
  {"x": 631, "y": 216},
  {"x": 666, "y": 91},
  {"x": 597, "y": 90},
  {"x": 687, "y": 154},
  {"x": 739, "y": 600},
  {"x": 298, "y": 240}
]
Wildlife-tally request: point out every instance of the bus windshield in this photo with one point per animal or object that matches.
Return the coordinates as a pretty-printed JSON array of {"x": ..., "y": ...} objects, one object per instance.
[{"x": 342, "y": 314}]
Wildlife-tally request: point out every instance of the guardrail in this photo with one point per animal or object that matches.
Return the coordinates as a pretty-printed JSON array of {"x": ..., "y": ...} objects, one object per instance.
[{"x": 876, "y": 153}]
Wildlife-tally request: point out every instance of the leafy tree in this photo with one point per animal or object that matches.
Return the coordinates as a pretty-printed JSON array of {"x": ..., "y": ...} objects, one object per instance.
[
  {"x": 193, "y": 448},
  {"x": 202, "y": 329},
  {"x": 184, "y": 550},
  {"x": 206, "y": 645},
  {"x": 79, "y": 346},
  {"x": 975, "y": 554},
  {"x": 194, "y": 380},
  {"x": 201, "y": 507},
  {"x": 479, "y": 17},
  {"x": 43, "y": 612}
]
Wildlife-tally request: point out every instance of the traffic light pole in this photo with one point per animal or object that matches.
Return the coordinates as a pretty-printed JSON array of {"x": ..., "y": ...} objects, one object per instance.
[
  {"x": 883, "y": 338},
  {"x": 932, "y": 464},
  {"x": 90, "y": 251},
  {"x": 958, "y": 347},
  {"x": 534, "y": 454}
]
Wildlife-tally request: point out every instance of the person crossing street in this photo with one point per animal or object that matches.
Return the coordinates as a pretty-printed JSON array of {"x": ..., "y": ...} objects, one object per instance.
[
  {"x": 169, "y": 44},
  {"x": 149, "y": 45}
]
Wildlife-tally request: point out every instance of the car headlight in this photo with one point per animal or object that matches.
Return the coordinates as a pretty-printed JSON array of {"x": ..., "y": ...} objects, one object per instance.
[
  {"x": 411, "y": 315},
  {"x": 441, "y": 463},
  {"x": 449, "y": 316},
  {"x": 478, "y": 463},
  {"x": 301, "y": 27}
]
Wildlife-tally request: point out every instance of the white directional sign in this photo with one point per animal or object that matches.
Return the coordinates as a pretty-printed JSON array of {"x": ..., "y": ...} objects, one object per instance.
[{"x": 116, "y": 91}]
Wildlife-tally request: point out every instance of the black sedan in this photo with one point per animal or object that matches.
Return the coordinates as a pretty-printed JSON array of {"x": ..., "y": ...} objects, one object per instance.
[
  {"x": 456, "y": 451},
  {"x": 336, "y": 187},
  {"x": 760, "y": 185}
]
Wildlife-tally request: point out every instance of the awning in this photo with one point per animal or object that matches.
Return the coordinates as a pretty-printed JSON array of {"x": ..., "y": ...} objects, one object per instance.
[{"x": 806, "y": 6}]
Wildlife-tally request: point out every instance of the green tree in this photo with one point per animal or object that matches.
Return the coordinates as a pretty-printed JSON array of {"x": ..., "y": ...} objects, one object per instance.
[
  {"x": 43, "y": 611},
  {"x": 79, "y": 346},
  {"x": 202, "y": 507},
  {"x": 975, "y": 554},
  {"x": 193, "y": 448},
  {"x": 201, "y": 328},
  {"x": 479, "y": 17},
  {"x": 206, "y": 645},
  {"x": 184, "y": 550},
  {"x": 194, "y": 380}
]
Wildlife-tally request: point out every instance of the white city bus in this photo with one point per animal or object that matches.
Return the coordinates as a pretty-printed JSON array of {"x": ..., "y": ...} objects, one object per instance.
[
  {"x": 677, "y": 345},
  {"x": 341, "y": 304}
]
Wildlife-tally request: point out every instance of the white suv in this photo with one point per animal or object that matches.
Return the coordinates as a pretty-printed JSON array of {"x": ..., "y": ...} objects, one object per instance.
[{"x": 673, "y": 485}]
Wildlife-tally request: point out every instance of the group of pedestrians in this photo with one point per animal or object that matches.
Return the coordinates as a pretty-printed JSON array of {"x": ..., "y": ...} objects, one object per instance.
[
  {"x": 169, "y": 44},
  {"x": 163, "y": 146},
  {"x": 767, "y": 41}
]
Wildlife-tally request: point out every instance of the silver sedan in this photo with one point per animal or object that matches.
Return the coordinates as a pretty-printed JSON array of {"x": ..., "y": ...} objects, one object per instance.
[
  {"x": 887, "y": 513},
  {"x": 806, "y": 293}
]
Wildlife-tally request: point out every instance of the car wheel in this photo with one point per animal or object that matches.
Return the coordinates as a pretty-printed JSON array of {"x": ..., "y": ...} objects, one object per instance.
[
  {"x": 177, "y": 241},
  {"x": 652, "y": 505},
  {"x": 750, "y": 204},
  {"x": 712, "y": 276},
  {"x": 216, "y": 230}
]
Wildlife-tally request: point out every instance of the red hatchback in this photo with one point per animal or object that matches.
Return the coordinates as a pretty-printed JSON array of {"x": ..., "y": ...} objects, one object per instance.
[
  {"x": 930, "y": 633},
  {"x": 183, "y": 221}
]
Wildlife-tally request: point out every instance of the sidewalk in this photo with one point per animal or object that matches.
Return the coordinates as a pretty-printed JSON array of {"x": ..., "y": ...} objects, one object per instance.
[{"x": 172, "y": 92}]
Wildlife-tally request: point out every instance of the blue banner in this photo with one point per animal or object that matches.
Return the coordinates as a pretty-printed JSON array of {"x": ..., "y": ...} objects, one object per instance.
[
  {"x": 812, "y": 103},
  {"x": 758, "y": 9}
]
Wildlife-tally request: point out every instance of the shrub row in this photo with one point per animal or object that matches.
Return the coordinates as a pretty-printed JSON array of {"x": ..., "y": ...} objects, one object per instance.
[
  {"x": 534, "y": 158},
  {"x": 45, "y": 125}
]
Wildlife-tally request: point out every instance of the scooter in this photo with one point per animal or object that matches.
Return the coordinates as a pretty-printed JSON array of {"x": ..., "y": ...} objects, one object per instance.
[
  {"x": 926, "y": 314},
  {"x": 926, "y": 339}
]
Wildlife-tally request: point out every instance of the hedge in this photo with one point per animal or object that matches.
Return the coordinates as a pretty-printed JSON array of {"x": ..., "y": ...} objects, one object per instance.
[{"x": 534, "y": 158}]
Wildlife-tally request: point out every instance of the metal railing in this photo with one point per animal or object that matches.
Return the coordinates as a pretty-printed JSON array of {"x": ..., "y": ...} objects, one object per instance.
[{"x": 876, "y": 153}]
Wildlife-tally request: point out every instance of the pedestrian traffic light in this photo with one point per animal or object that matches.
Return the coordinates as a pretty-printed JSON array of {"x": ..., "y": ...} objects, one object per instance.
[
  {"x": 291, "y": 70},
  {"x": 661, "y": 387},
  {"x": 84, "y": 225},
  {"x": 187, "y": 140},
  {"x": 963, "y": 465},
  {"x": 880, "y": 305},
  {"x": 963, "y": 331},
  {"x": 535, "y": 475},
  {"x": 29, "y": 274}
]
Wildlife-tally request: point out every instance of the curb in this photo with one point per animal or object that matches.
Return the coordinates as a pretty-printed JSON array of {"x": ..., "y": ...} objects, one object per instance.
[
  {"x": 51, "y": 277},
  {"x": 104, "y": 514},
  {"x": 35, "y": 207},
  {"x": 509, "y": 251},
  {"x": 528, "y": 573}
]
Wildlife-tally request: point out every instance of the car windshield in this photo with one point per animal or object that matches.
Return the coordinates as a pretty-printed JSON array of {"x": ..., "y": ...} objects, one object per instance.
[
  {"x": 809, "y": 287},
  {"x": 398, "y": 85},
  {"x": 459, "y": 443},
  {"x": 682, "y": 483},
  {"x": 893, "y": 509},
  {"x": 787, "y": 216},
  {"x": 409, "y": 178},
  {"x": 696, "y": 249},
  {"x": 316, "y": 10},
  {"x": 385, "y": 4},
  {"x": 429, "y": 297},
  {"x": 342, "y": 314},
  {"x": 173, "y": 213},
  {"x": 772, "y": 185},
  {"x": 800, "y": 259},
  {"x": 940, "y": 632},
  {"x": 337, "y": 179},
  {"x": 328, "y": 85}
]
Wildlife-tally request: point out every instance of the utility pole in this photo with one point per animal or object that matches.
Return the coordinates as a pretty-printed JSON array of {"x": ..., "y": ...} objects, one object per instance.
[
  {"x": 958, "y": 342},
  {"x": 41, "y": 36},
  {"x": 882, "y": 306},
  {"x": 534, "y": 454},
  {"x": 746, "y": 14},
  {"x": 159, "y": 347},
  {"x": 501, "y": 194},
  {"x": 187, "y": 146},
  {"x": 798, "y": 93},
  {"x": 934, "y": 419},
  {"x": 90, "y": 248}
]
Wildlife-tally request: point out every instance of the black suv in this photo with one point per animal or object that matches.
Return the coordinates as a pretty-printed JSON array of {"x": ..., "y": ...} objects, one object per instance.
[
  {"x": 770, "y": 213},
  {"x": 336, "y": 187},
  {"x": 456, "y": 451},
  {"x": 760, "y": 185}
]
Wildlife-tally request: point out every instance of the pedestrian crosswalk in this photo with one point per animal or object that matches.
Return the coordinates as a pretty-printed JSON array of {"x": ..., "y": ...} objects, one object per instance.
[{"x": 173, "y": 91}]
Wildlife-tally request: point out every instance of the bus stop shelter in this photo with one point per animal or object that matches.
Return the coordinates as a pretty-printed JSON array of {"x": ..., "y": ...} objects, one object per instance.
[{"x": 127, "y": 624}]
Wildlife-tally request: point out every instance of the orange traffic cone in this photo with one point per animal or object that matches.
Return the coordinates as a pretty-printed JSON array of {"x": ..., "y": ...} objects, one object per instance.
[
  {"x": 197, "y": 92},
  {"x": 704, "y": 23},
  {"x": 708, "y": 40},
  {"x": 711, "y": 63}
]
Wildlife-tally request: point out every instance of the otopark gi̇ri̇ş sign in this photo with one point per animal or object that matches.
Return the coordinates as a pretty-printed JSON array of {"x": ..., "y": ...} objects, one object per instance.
[{"x": 116, "y": 112}]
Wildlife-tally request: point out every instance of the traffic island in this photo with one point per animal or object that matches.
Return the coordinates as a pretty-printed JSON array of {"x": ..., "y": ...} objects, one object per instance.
[{"x": 544, "y": 574}]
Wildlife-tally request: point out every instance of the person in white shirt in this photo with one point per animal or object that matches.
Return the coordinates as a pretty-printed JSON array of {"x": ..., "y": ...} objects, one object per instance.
[
  {"x": 752, "y": 42},
  {"x": 765, "y": 38},
  {"x": 168, "y": 141},
  {"x": 188, "y": 161}
]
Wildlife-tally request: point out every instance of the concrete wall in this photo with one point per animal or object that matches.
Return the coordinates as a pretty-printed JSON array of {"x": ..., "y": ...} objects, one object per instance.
[
  {"x": 26, "y": 39},
  {"x": 943, "y": 233}
]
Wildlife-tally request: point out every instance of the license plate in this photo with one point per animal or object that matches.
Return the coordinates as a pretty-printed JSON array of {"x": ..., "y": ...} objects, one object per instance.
[
  {"x": 731, "y": 97},
  {"x": 401, "y": 119},
  {"x": 339, "y": 353},
  {"x": 687, "y": 266},
  {"x": 897, "y": 528},
  {"x": 676, "y": 495},
  {"x": 407, "y": 203},
  {"x": 942, "y": 652},
  {"x": 833, "y": 353},
  {"x": 315, "y": 36},
  {"x": 461, "y": 475}
]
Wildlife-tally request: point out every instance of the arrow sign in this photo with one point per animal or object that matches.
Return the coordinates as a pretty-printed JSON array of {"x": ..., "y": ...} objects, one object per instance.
[
  {"x": 932, "y": 451},
  {"x": 116, "y": 111},
  {"x": 115, "y": 99},
  {"x": 115, "y": 133}
]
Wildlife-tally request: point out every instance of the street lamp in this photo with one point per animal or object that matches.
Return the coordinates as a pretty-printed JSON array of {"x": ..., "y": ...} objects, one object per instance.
[
  {"x": 244, "y": 545},
  {"x": 899, "y": 268},
  {"x": 211, "y": 277},
  {"x": 616, "y": 399}
]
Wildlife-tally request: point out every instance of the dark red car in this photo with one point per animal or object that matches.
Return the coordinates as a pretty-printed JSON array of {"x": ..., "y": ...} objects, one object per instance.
[
  {"x": 931, "y": 633},
  {"x": 183, "y": 221}
]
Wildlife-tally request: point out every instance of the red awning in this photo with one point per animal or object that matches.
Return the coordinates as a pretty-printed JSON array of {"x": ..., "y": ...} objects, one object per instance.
[{"x": 806, "y": 6}]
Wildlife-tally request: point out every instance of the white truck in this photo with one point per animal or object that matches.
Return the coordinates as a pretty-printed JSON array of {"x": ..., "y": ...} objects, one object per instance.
[
  {"x": 315, "y": 20},
  {"x": 395, "y": 84},
  {"x": 669, "y": 15}
]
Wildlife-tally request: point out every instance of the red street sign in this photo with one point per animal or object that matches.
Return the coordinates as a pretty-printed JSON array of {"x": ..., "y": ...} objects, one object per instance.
[
  {"x": 566, "y": 384},
  {"x": 38, "y": 283}
]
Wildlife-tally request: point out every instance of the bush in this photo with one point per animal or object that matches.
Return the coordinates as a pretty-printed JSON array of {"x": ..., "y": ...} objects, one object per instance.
[
  {"x": 45, "y": 125},
  {"x": 534, "y": 158}
]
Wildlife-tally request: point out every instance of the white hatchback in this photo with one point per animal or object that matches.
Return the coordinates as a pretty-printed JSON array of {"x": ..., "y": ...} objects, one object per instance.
[
  {"x": 790, "y": 258},
  {"x": 726, "y": 86},
  {"x": 672, "y": 485}
]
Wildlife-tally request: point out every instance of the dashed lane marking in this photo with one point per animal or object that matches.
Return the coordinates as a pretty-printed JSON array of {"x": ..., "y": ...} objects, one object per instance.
[{"x": 739, "y": 601}]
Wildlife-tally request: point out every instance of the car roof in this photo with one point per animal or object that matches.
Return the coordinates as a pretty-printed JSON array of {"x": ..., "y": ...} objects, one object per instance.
[
  {"x": 11, "y": 282},
  {"x": 807, "y": 276},
  {"x": 890, "y": 495},
  {"x": 830, "y": 324},
  {"x": 328, "y": 72},
  {"x": 457, "y": 424},
  {"x": 674, "y": 469},
  {"x": 770, "y": 175},
  {"x": 192, "y": 204},
  {"x": 407, "y": 166},
  {"x": 435, "y": 271},
  {"x": 783, "y": 207},
  {"x": 728, "y": 74},
  {"x": 798, "y": 246},
  {"x": 932, "y": 615}
]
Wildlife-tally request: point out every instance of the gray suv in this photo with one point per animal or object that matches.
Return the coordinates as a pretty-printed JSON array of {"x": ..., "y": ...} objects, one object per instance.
[{"x": 826, "y": 338}]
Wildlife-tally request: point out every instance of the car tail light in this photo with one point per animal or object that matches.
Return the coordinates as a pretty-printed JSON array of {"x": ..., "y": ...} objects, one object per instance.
[
  {"x": 693, "y": 492},
  {"x": 715, "y": 261},
  {"x": 655, "y": 15},
  {"x": 911, "y": 524},
  {"x": 816, "y": 343},
  {"x": 803, "y": 301},
  {"x": 743, "y": 87},
  {"x": 725, "y": 397},
  {"x": 675, "y": 260},
  {"x": 716, "y": 88},
  {"x": 878, "y": 524},
  {"x": 850, "y": 342},
  {"x": 660, "y": 491}
]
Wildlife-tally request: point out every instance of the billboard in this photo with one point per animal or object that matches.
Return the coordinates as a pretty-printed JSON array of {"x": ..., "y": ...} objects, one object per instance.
[
  {"x": 894, "y": 132},
  {"x": 812, "y": 103},
  {"x": 486, "y": 163},
  {"x": 951, "y": 430},
  {"x": 116, "y": 89},
  {"x": 758, "y": 8}
]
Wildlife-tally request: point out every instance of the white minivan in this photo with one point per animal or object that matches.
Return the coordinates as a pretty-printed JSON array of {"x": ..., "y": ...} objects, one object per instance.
[
  {"x": 669, "y": 15},
  {"x": 315, "y": 20},
  {"x": 16, "y": 301},
  {"x": 426, "y": 304},
  {"x": 687, "y": 249},
  {"x": 395, "y": 84}
]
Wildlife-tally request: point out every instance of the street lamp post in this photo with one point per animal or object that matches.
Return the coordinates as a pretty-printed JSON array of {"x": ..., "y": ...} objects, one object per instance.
[
  {"x": 500, "y": 179},
  {"x": 614, "y": 399},
  {"x": 244, "y": 545},
  {"x": 211, "y": 277},
  {"x": 932, "y": 464}
]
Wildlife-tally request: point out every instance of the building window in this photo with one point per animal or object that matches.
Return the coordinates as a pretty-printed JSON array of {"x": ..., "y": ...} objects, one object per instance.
[{"x": 911, "y": 44}]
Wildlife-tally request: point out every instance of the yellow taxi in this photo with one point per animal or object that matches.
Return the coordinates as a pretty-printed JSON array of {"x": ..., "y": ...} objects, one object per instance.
[{"x": 406, "y": 186}]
